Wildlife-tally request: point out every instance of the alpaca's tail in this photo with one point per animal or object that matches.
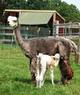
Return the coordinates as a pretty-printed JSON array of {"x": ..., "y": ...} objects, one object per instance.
[{"x": 74, "y": 47}]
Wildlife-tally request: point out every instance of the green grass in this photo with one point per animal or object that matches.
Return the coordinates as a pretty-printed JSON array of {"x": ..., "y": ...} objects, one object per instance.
[{"x": 15, "y": 76}]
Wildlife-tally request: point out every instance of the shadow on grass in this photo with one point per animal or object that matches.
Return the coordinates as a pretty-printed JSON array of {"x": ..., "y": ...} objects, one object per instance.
[
  {"x": 55, "y": 81},
  {"x": 28, "y": 81}
]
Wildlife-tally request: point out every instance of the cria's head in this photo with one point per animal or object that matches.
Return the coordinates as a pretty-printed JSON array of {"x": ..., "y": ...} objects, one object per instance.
[{"x": 57, "y": 55}]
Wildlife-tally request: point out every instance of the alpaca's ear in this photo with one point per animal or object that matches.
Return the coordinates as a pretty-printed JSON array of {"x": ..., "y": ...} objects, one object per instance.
[{"x": 13, "y": 18}]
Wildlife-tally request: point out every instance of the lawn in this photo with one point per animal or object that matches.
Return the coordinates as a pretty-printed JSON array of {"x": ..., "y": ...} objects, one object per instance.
[{"x": 15, "y": 76}]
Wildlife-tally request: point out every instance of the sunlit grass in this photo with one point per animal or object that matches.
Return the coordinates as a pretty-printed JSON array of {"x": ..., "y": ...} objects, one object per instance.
[{"x": 15, "y": 76}]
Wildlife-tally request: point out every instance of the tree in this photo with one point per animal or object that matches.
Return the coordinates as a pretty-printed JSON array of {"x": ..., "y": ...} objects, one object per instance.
[
  {"x": 69, "y": 12},
  {"x": 37, "y": 4},
  {"x": 2, "y": 7},
  {"x": 17, "y": 4}
]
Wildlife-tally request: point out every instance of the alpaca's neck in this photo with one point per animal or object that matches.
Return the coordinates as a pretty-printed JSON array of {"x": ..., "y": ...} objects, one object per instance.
[
  {"x": 24, "y": 45},
  {"x": 18, "y": 36}
]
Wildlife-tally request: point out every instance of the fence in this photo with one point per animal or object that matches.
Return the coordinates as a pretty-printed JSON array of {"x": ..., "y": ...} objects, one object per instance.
[{"x": 7, "y": 34}]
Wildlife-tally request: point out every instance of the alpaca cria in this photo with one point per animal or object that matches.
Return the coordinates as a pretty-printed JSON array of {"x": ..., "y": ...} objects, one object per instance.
[
  {"x": 48, "y": 45},
  {"x": 43, "y": 62}
]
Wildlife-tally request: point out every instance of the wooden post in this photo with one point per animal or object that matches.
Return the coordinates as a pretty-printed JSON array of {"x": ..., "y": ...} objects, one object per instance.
[
  {"x": 79, "y": 46},
  {"x": 79, "y": 52},
  {"x": 79, "y": 58}
]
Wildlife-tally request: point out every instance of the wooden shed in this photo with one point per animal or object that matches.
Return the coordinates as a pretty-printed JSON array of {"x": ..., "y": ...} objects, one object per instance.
[{"x": 41, "y": 20}]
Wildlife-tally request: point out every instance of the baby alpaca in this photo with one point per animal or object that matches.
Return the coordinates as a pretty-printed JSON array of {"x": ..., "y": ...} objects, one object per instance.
[{"x": 44, "y": 61}]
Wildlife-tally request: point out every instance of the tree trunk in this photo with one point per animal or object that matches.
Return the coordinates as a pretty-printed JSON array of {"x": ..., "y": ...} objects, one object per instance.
[{"x": 3, "y": 5}]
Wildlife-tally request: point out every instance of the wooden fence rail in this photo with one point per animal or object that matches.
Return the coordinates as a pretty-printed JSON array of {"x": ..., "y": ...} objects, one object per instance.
[{"x": 7, "y": 35}]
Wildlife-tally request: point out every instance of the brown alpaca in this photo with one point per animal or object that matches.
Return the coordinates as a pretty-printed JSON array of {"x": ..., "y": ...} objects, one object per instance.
[{"x": 49, "y": 45}]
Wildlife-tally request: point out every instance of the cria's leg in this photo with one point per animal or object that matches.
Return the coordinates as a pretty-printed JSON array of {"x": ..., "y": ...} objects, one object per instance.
[
  {"x": 52, "y": 76},
  {"x": 37, "y": 78},
  {"x": 43, "y": 70},
  {"x": 38, "y": 73},
  {"x": 42, "y": 83},
  {"x": 37, "y": 81}
]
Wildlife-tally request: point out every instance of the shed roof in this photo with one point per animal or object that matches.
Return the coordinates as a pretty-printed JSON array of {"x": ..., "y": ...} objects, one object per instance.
[
  {"x": 34, "y": 18},
  {"x": 38, "y": 11}
]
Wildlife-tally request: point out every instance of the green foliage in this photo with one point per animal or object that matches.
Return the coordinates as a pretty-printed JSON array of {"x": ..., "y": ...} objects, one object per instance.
[
  {"x": 69, "y": 12},
  {"x": 3, "y": 4},
  {"x": 37, "y": 4},
  {"x": 15, "y": 76},
  {"x": 16, "y": 4}
]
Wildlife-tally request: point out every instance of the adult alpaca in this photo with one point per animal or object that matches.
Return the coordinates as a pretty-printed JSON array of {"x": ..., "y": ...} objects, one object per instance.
[{"x": 50, "y": 46}]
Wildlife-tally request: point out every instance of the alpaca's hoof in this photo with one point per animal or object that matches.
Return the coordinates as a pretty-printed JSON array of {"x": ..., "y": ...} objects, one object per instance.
[
  {"x": 33, "y": 78},
  {"x": 53, "y": 83},
  {"x": 33, "y": 81},
  {"x": 66, "y": 82}
]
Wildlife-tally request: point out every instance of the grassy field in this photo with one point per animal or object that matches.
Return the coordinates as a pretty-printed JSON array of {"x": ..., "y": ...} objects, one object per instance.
[{"x": 15, "y": 76}]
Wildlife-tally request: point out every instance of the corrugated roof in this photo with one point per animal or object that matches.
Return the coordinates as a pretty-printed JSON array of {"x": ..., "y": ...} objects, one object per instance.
[{"x": 34, "y": 18}]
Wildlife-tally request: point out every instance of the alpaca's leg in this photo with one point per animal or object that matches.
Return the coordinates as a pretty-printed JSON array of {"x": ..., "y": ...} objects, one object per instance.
[
  {"x": 33, "y": 70},
  {"x": 38, "y": 83},
  {"x": 41, "y": 81},
  {"x": 52, "y": 76},
  {"x": 43, "y": 70},
  {"x": 63, "y": 80},
  {"x": 37, "y": 78}
]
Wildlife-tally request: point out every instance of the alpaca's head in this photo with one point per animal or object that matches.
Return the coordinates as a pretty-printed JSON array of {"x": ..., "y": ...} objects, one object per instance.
[
  {"x": 13, "y": 21},
  {"x": 57, "y": 56},
  {"x": 56, "y": 59}
]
